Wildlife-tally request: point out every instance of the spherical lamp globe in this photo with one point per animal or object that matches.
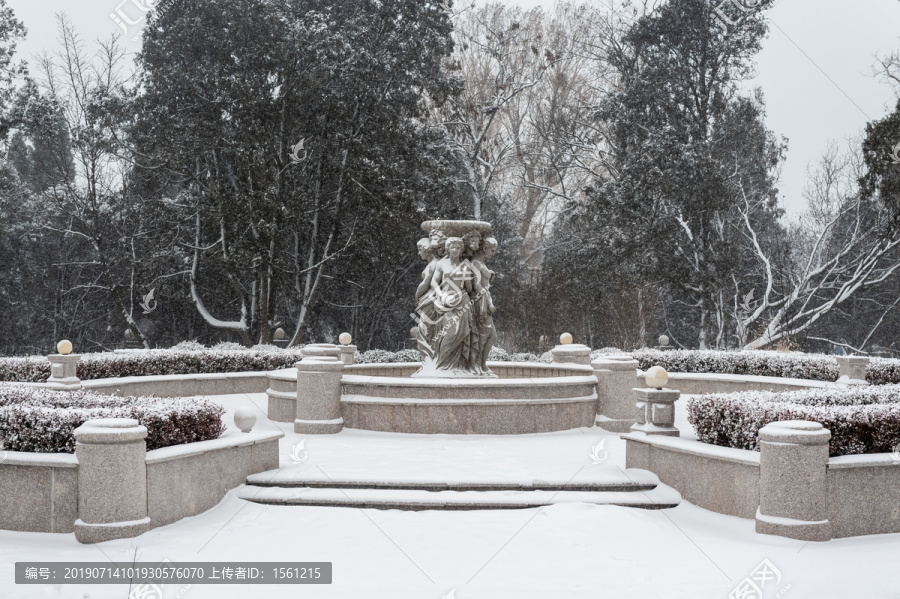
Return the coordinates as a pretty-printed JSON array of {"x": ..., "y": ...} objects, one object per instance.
[
  {"x": 656, "y": 377},
  {"x": 345, "y": 339},
  {"x": 565, "y": 339},
  {"x": 663, "y": 340},
  {"x": 64, "y": 347},
  {"x": 279, "y": 334},
  {"x": 244, "y": 418}
]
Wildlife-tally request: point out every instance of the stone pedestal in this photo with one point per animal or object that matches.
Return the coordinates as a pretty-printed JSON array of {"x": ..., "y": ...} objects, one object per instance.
[
  {"x": 321, "y": 350},
  {"x": 573, "y": 353},
  {"x": 792, "y": 480},
  {"x": 62, "y": 372},
  {"x": 319, "y": 395},
  {"x": 656, "y": 411},
  {"x": 615, "y": 402},
  {"x": 112, "y": 480},
  {"x": 853, "y": 367},
  {"x": 348, "y": 354}
]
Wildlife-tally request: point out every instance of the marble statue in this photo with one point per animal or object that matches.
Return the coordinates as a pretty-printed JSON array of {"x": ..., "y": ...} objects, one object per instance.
[{"x": 454, "y": 307}]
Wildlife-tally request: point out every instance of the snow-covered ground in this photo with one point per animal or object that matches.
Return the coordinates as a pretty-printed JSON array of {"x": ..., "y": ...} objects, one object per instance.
[{"x": 566, "y": 550}]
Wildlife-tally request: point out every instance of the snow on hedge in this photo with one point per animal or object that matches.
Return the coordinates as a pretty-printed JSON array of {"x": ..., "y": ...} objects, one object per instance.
[
  {"x": 817, "y": 367},
  {"x": 43, "y": 421},
  {"x": 861, "y": 419},
  {"x": 36, "y": 369}
]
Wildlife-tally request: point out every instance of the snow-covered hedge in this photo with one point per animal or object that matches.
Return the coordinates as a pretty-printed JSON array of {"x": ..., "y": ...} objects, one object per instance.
[
  {"x": 381, "y": 356},
  {"x": 861, "y": 419},
  {"x": 43, "y": 421},
  {"x": 36, "y": 369},
  {"x": 817, "y": 367}
]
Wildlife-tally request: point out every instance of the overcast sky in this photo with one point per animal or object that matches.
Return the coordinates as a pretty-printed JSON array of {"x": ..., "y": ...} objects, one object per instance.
[{"x": 810, "y": 41}]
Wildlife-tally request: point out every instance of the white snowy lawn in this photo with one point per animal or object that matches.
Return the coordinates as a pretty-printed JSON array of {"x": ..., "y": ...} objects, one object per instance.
[{"x": 568, "y": 550}]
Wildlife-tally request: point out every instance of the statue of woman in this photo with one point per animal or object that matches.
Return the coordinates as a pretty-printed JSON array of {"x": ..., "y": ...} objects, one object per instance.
[
  {"x": 427, "y": 318},
  {"x": 456, "y": 349},
  {"x": 484, "y": 304}
]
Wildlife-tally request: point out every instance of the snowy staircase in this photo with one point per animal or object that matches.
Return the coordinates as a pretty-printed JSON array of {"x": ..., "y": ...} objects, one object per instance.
[{"x": 612, "y": 486}]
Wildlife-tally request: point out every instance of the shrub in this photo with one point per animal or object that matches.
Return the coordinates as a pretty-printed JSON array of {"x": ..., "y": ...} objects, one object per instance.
[
  {"x": 36, "y": 369},
  {"x": 606, "y": 351},
  {"x": 817, "y": 367},
  {"x": 498, "y": 354},
  {"x": 861, "y": 419},
  {"x": 40, "y": 420},
  {"x": 189, "y": 346}
]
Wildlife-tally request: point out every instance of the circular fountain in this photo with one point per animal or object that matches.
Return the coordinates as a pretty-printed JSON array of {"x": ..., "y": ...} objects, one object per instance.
[{"x": 454, "y": 389}]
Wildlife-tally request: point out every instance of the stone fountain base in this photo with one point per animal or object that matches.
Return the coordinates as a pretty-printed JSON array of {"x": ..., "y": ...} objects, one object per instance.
[{"x": 525, "y": 398}]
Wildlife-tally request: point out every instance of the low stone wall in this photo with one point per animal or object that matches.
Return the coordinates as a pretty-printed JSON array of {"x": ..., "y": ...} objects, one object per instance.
[
  {"x": 862, "y": 493},
  {"x": 700, "y": 383},
  {"x": 503, "y": 370},
  {"x": 181, "y": 385},
  {"x": 719, "y": 479},
  {"x": 39, "y": 492}
]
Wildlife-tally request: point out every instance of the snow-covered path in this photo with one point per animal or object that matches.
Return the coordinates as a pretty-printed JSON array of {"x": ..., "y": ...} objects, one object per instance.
[{"x": 569, "y": 550}]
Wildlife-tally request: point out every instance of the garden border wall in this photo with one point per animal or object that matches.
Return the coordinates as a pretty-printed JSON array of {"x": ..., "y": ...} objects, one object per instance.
[
  {"x": 39, "y": 492},
  {"x": 862, "y": 496}
]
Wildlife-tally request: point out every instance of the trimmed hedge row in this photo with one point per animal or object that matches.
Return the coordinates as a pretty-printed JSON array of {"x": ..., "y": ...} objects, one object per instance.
[
  {"x": 816, "y": 367},
  {"x": 43, "y": 421},
  {"x": 861, "y": 419},
  {"x": 36, "y": 369}
]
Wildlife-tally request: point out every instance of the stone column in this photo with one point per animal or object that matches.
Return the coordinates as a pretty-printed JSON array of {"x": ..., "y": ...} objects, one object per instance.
[
  {"x": 616, "y": 376},
  {"x": 112, "y": 480},
  {"x": 62, "y": 372},
  {"x": 793, "y": 465},
  {"x": 319, "y": 395},
  {"x": 853, "y": 367},
  {"x": 348, "y": 354},
  {"x": 572, "y": 353},
  {"x": 656, "y": 411}
]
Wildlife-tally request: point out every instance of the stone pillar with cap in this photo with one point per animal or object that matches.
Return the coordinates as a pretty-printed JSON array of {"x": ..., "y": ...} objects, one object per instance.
[
  {"x": 571, "y": 353},
  {"x": 319, "y": 390},
  {"x": 656, "y": 405},
  {"x": 615, "y": 400},
  {"x": 62, "y": 368},
  {"x": 348, "y": 352},
  {"x": 112, "y": 480},
  {"x": 793, "y": 470},
  {"x": 852, "y": 369}
]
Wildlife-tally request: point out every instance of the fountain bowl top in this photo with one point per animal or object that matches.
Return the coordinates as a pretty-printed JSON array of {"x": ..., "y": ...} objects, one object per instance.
[{"x": 456, "y": 228}]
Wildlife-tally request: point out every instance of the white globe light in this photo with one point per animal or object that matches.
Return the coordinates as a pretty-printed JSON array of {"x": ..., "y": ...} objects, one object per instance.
[
  {"x": 64, "y": 347},
  {"x": 565, "y": 338},
  {"x": 663, "y": 340},
  {"x": 244, "y": 418},
  {"x": 279, "y": 334},
  {"x": 345, "y": 338},
  {"x": 656, "y": 377}
]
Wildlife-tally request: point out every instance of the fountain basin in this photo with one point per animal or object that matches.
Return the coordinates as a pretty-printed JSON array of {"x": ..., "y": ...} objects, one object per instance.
[{"x": 525, "y": 398}]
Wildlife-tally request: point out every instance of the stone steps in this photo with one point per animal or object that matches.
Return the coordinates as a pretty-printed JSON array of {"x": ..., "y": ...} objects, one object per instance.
[{"x": 636, "y": 488}]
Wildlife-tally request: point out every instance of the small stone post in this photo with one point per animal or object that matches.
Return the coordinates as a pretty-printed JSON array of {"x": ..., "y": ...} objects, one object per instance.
[
  {"x": 319, "y": 390},
  {"x": 572, "y": 353},
  {"x": 112, "y": 480},
  {"x": 62, "y": 372},
  {"x": 792, "y": 480},
  {"x": 853, "y": 367},
  {"x": 656, "y": 405},
  {"x": 616, "y": 411},
  {"x": 656, "y": 411},
  {"x": 348, "y": 354}
]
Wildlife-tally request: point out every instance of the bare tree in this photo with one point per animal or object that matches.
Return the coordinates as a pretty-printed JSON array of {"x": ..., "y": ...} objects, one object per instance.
[{"x": 841, "y": 248}]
